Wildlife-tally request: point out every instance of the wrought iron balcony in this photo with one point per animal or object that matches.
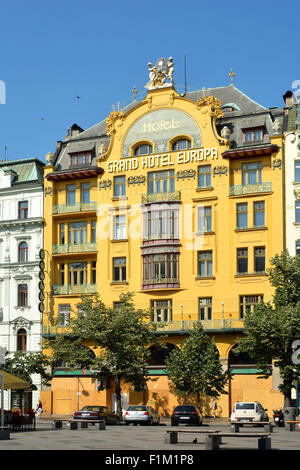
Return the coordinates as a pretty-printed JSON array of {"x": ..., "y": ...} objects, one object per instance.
[
  {"x": 77, "y": 207},
  {"x": 240, "y": 189},
  {"x": 161, "y": 197},
  {"x": 66, "y": 289},
  {"x": 74, "y": 248},
  {"x": 213, "y": 325}
]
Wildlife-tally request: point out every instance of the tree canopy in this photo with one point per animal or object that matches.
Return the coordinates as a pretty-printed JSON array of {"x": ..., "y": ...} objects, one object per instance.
[{"x": 196, "y": 368}]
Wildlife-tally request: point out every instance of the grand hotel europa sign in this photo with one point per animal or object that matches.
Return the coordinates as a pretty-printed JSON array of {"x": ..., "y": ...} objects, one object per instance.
[{"x": 160, "y": 127}]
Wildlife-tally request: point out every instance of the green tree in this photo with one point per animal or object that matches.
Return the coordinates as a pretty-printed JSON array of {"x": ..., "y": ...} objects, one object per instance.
[
  {"x": 24, "y": 365},
  {"x": 195, "y": 368},
  {"x": 272, "y": 328},
  {"x": 120, "y": 338}
]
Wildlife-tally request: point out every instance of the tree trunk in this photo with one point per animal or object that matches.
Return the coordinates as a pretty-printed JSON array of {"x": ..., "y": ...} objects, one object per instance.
[
  {"x": 118, "y": 395},
  {"x": 198, "y": 401}
]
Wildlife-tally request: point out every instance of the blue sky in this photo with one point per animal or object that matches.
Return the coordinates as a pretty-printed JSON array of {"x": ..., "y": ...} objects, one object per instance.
[{"x": 52, "y": 52}]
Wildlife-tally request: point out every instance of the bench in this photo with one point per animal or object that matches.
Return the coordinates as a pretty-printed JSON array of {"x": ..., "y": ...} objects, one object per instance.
[
  {"x": 268, "y": 425},
  {"x": 4, "y": 433},
  {"x": 292, "y": 425},
  {"x": 213, "y": 440},
  {"x": 171, "y": 436},
  {"x": 73, "y": 423}
]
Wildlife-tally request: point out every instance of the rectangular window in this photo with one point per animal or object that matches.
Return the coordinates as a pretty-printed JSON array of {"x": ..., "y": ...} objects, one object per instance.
[
  {"x": 204, "y": 176},
  {"x": 78, "y": 159},
  {"x": 160, "y": 268},
  {"x": 259, "y": 214},
  {"x": 77, "y": 233},
  {"x": 71, "y": 194},
  {"x": 248, "y": 302},
  {"x": 204, "y": 263},
  {"x": 161, "y": 181},
  {"x": 297, "y": 211},
  {"x": 23, "y": 210},
  {"x": 297, "y": 171},
  {"x": 22, "y": 295},
  {"x": 205, "y": 308},
  {"x": 119, "y": 269},
  {"x": 161, "y": 224},
  {"x": 77, "y": 273},
  {"x": 242, "y": 260},
  {"x": 93, "y": 237},
  {"x": 161, "y": 311},
  {"x": 62, "y": 234},
  {"x": 259, "y": 260},
  {"x": 253, "y": 135},
  {"x": 242, "y": 215},
  {"x": 62, "y": 274},
  {"x": 119, "y": 186},
  {"x": 251, "y": 173},
  {"x": 94, "y": 272},
  {"x": 119, "y": 228},
  {"x": 204, "y": 219},
  {"x": 85, "y": 192},
  {"x": 298, "y": 247},
  {"x": 64, "y": 315}
]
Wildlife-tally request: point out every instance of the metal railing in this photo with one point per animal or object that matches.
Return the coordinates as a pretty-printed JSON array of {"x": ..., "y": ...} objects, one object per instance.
[
  {"x": 239, "y": 189},
  {"x": 58, "y": 289},
  {"x": 161, "y": 197},
  {"x": 215, "y": 324},
  {"x": 74, "y": 248},
  {"x": 77, "y": 207}
]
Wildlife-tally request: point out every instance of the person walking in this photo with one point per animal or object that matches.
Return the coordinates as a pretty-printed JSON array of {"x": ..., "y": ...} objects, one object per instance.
[
  {"x": 39, "y": 409},
  {"x": 214, "y": 407}
]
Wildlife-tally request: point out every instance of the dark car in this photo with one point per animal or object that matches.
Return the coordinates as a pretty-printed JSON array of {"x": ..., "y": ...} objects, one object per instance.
[
  {"x": 97, "y": 412},
  {"x": 186, "y": 414}
]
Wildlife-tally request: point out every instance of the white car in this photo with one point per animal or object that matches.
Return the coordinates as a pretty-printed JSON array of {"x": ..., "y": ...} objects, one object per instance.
[
  {"x": 248, "y": 412},
  {"x": 141, "y": 414}
]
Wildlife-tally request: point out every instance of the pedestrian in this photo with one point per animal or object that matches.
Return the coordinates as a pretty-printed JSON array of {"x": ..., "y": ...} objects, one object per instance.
[
  {"x": 214, "y": 407},
  {"x": 39, "y": 409}
]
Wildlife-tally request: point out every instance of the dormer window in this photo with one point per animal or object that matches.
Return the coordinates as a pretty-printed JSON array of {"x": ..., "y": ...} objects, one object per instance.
[
  {"x": 253, "y": 135},
  {"x": 143, "y": 149},
  {"x": 78, "y": 159}
]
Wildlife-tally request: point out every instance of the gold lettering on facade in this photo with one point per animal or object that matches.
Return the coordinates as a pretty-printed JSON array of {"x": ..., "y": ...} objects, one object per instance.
[{"x": 162, "y": 160}]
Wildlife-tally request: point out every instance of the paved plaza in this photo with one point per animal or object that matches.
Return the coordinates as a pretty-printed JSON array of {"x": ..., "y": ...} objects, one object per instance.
[{"x": 139, "y": 438}]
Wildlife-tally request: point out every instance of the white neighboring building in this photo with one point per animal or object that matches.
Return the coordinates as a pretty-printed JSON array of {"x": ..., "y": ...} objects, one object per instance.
[
  {"x": 292, "y": 174},
  {"x": 21, "y": 238}
]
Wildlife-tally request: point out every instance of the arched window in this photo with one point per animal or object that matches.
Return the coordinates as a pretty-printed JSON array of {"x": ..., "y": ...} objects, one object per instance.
[
  {"x": 23, "y": 252},
  {"x": 143, "y": 149},
  {"x": 181, "y": 144},
  {"x": 21, "y": 340}
]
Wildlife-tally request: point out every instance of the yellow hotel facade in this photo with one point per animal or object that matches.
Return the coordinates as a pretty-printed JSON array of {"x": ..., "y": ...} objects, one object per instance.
[{"x": 177, "y": 198}]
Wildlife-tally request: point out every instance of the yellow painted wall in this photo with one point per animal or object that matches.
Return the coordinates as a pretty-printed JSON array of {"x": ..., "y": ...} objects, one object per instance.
[{"x": 225, "y": 286}]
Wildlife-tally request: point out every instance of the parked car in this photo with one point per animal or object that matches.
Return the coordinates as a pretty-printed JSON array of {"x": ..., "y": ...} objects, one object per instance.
[
  {"x": 97, "y": 412},
  {"x": 186, "y": 414},
  {"x": 248, "y": 412},
  {"x": 142, "y": 414}
]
